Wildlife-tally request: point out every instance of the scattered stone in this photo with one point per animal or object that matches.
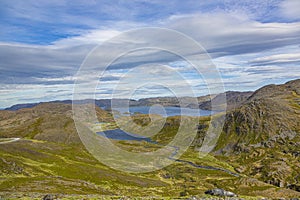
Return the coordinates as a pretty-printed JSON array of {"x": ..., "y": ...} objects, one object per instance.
[
  {"x": 48, "y": 197},
  {"x": 240, "y": 169},
  {"x": 166, "y": 176},
  {"x": 220, "y": 192}
]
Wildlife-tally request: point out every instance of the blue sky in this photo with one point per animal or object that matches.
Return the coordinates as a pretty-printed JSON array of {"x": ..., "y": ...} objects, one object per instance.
[{"x": 43, "y": 44}]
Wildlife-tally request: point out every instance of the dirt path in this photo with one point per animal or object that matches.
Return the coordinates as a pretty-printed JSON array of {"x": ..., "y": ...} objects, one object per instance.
[{"x": 8, "y": 140}]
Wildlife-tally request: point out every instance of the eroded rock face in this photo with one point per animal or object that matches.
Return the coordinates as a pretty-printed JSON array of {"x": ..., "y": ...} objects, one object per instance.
[
  {"x": 262, "y": 135},
  {"x": 220, "y": 192}
]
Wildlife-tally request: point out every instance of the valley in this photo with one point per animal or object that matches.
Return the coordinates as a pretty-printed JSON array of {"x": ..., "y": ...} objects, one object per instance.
[{"x": 256, "y": 155}]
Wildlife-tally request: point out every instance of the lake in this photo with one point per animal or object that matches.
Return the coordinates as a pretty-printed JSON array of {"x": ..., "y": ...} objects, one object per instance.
[
  {"x": 163, "y": 111},
  {"x": 118, "y": 134}
]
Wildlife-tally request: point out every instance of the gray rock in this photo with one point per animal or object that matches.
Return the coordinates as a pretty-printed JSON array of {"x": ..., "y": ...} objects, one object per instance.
[
  {"x": 220, "y": 192},
  {"x": 48, "y": 197},
  {"x": 229, "y": 194},
  {"x": 215, "y": 192}
]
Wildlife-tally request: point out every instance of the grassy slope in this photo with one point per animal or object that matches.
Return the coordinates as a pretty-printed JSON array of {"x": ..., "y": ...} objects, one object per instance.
[{"x": 37, "y": 167}]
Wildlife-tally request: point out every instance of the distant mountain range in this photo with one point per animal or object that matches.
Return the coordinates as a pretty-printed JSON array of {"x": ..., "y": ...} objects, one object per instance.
[{"x": 234, "y": 99}]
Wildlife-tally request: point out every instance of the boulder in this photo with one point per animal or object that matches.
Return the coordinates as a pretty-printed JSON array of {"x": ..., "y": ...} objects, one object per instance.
[
  {"x": 220, "y": 192},
  {"x": 48, "y": 197}
]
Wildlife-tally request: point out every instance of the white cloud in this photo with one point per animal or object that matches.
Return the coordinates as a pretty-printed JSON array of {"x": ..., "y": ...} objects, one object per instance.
[
  {"x": 58, "y": 79},
  {"x": 91, "y": 37},
  {"x": 279, "y": 58},
  {"x": 290, "y": 9},
  {"x": 224, "y": 34}
]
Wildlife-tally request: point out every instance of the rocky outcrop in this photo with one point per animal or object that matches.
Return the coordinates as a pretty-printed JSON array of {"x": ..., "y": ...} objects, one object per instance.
[
  {"x": 233, "y": 99},
  {"x": 268, "y": 117},
  {"x": 220, "y": 192},
  {"x": 262, "y": 135}
]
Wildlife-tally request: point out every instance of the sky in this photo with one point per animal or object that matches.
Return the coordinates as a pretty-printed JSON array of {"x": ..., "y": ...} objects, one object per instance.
[{"x": 44, "y": 44}]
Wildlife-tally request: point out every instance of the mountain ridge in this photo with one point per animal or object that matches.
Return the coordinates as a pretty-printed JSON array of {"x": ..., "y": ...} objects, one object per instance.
[
  {"x": 234, "y": 99},
  {"x": 263, "y": 135}
]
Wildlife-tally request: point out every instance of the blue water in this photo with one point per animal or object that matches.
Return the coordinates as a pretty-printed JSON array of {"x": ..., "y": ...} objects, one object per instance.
[
  {"x": 164, "y": 111},
  {"x": 118, "y": 134}
]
